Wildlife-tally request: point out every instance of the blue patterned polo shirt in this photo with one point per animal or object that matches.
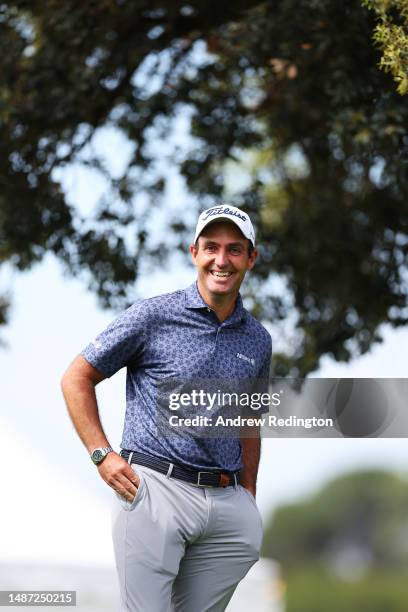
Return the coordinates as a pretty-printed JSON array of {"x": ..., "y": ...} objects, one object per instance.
[{"x": 176, "y": 336}]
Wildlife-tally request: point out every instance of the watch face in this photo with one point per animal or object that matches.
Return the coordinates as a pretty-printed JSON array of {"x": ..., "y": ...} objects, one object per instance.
[{"x": 97, "y": 456}]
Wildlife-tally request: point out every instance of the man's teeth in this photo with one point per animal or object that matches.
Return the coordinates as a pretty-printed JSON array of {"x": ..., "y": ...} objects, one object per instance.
[{"x": 221, "y": 274}]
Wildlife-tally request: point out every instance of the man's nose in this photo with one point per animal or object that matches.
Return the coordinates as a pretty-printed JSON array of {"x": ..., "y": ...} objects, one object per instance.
[{"x": 221, "y": 258}]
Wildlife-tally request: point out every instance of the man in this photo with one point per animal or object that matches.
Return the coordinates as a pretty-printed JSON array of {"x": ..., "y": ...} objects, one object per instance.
[{"x": 186, "y": 528}]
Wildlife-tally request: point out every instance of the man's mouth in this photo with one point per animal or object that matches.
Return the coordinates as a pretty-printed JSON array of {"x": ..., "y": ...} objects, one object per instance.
[{"x": 220, "y": 274}]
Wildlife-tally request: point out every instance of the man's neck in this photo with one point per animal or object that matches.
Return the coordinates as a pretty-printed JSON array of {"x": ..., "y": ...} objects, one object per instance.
[{"x": 222, "y": 305}]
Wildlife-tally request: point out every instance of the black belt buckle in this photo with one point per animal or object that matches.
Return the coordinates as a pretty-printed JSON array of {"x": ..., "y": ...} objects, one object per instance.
[
  {"x": 224, "y": 480},
  {"x": 198, "y": 483}
]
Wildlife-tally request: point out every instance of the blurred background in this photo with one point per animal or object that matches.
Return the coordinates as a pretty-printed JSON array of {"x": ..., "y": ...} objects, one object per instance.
[{"x": 119, "y": 122}]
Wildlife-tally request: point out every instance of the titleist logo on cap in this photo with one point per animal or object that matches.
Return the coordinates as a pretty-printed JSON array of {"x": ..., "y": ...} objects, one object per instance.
[{"x": 219, "y": 210}]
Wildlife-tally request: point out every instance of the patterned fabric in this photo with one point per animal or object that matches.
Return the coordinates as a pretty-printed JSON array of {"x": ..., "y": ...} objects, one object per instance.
[{"x": 176, "y": 336}]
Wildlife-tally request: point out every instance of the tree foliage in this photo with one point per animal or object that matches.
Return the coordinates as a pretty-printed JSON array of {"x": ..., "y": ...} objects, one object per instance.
[
  {"x": 355, "y": 523},
  {"x": 288, "y": 116},
  {"x": 391, "y": 34}
]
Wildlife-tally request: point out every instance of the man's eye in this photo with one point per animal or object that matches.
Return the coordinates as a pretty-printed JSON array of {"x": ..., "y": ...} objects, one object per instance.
[
  {"x": 210, "y": 248},
  {"x": 236, "y": 250}
]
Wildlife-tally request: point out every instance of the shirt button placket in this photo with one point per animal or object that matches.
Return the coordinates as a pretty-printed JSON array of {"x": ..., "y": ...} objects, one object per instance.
[{"x": 216, "y": 337}]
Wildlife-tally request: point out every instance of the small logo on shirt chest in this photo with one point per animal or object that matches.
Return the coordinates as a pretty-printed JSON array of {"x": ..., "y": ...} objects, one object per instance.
[{"x": 250, "y": 360}]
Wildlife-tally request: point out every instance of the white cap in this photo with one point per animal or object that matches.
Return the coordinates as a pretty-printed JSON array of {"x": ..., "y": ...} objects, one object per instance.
[{"x": 229, "y": 213}]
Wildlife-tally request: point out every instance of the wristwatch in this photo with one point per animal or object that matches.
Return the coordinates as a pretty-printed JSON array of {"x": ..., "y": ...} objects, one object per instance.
[{"x": 99, "y": 454}]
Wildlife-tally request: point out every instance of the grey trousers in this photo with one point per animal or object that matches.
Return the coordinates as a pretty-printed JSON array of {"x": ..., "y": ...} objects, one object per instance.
[{"x": 182, "y": 548}]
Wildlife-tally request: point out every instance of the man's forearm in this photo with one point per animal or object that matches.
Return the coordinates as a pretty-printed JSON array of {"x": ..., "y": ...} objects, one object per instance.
[
  {"x": 251, "y": 453},
  {"x": 78, "y": 386},
  {"x": 80, "y": 397}
]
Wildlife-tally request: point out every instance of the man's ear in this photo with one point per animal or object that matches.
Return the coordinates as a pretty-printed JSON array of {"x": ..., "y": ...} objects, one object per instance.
[
  {"x": 252, "y": 259},
  {"x": 193, "y": 250}
]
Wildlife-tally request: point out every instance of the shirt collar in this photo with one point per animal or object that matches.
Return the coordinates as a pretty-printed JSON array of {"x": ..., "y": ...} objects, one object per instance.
[
  {"x": 193, "y": 297},
  {"x": 194, "y": 300}
]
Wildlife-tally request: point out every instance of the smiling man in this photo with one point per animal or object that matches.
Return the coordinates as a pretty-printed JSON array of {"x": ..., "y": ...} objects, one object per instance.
[{"x": 186, "y": 528}]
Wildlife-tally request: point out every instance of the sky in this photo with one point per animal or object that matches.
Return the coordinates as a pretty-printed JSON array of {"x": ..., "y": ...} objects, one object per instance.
[{"x": 55, "y": 506}]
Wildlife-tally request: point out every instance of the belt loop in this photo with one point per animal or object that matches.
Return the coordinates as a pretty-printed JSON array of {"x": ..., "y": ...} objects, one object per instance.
[
  {"x": 130, "y": 457},
  {"x": 235, "y": 481},
  {"x": 170, "y": 470}
]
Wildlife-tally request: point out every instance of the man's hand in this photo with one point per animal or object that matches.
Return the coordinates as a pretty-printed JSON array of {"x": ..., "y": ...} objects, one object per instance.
[{"x": 118, "y": 474}]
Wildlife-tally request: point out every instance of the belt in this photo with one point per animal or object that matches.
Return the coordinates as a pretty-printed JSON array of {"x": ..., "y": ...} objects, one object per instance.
[{"x": 172, "y": 470}]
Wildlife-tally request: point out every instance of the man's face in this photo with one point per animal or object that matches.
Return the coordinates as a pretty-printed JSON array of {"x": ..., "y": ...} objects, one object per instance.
[{"x": 222, "y": 259}]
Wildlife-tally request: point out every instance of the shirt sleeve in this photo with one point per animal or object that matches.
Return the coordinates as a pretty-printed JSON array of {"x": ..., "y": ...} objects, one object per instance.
[{"x": 120, "y": 343}]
